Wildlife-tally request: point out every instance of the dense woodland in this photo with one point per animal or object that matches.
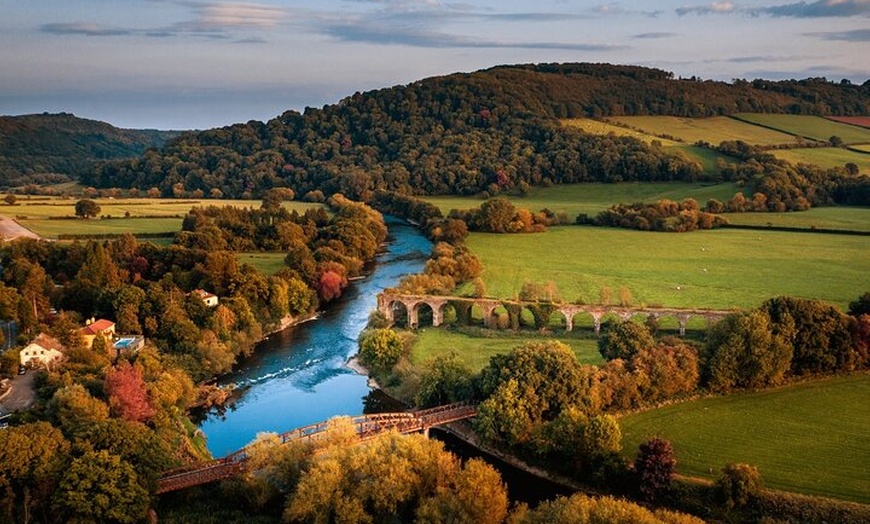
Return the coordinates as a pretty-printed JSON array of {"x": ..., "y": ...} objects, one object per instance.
[
  {"x": 488, "y": 131},
  {"x": 51, "y": 148}
]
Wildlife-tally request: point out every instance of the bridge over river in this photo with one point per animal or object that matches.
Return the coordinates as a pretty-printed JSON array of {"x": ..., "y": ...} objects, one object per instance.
[
  {"x": 394, "y": 306},
  {"x": 367, "y": 427}
]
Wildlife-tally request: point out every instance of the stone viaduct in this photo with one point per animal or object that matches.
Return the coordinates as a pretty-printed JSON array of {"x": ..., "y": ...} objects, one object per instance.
[{"x": 392, "y": 305}]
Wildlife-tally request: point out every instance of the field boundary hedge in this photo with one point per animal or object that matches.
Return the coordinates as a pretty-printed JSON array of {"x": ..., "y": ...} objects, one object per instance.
[{"x": 788, "y": 229}]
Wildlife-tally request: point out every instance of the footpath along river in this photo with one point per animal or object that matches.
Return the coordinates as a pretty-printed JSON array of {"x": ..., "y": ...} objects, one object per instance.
[{"x": 299, "y": 376}]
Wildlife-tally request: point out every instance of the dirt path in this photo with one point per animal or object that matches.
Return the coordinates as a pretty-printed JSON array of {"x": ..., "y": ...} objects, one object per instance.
[{"x": 10, "y": 230}]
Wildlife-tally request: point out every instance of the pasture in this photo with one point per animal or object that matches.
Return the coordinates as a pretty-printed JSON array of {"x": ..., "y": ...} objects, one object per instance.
[
  {"x": 597, "y": 127},
  {"x": 826, "y": 157},
  {"x": 861, "y": 121},
  {"x": 594, "y": 198},
  {"x": 50, "y": 217},
  {"x": 812, "y": 127},
  {"x": 809, "y": 437},
  {"x": 837, "y": 218},
  {"x": 718, "y": 269},
  {"x": 713, "y": 130},
  {"x": 476, "y": 351},
  {"x": 267, "y": 263}
]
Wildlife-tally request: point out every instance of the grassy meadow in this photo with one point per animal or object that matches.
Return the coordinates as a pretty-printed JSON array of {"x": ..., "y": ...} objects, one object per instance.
[
  {"x": 713, "y": 130},
  {"x": 825, "y": 157},
  {"x": 813, "y": 127},
  {"x": 268, "y": 263},
  {"x": 837, "y": 218},
  {"x": 594, "y": 198},
  {"x": 476, "y": 351},
  {"x": 809, "y": 438},
  {"x": 597, "y": 127},
  {"x": 721, "y": 268},
  {"x": 50, "y": 217}
]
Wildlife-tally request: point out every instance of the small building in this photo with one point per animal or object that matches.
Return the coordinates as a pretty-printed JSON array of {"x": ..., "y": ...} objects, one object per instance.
[
  {"x": 42, "y": 351},
  {"x": 128, "y": 343},
  {"x": 97, "y": 327},
  {"x": 210, "y": 299}
]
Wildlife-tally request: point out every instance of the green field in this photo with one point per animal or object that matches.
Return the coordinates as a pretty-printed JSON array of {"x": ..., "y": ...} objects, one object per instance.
[
  {"x": 713, "y": 130},
  {"x": 813, "y": 127},
  {"x": 268, "y": 263},
  {"x": 720, "y": 268},
  {"x": 594, "y": 198},
  {"x": 825, "y": 157},
  {"x": 477, "y": 350},
  {"x": 597, "y": 127},
  {"x": 810, "y": 438},
  {"x": 861, "y": 147},
  {"x": 840, "y": 218},
  {"x": 134, "y": 215}
]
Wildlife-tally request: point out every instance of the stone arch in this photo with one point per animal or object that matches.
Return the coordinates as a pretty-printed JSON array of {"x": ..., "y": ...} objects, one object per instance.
[
  {"x": 398, "y": 313},
  {"x": 464, "y": 311},
  {"x": 447, "y": 312},
  {"x": 585, "y": 320},
  {"x": 423, "y": 315}
]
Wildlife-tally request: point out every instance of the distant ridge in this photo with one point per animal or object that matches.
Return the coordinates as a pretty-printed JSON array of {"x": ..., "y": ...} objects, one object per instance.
[{"x": 47, "y": 148}]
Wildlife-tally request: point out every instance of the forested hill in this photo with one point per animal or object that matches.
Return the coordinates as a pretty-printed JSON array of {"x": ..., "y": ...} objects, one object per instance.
[
  {"x": 51, "y": 147},
  {"x": 465, "y": 133}
]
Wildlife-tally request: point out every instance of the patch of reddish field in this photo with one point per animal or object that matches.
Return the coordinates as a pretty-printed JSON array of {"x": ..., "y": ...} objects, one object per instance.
[{"x": 863, "y": 121}]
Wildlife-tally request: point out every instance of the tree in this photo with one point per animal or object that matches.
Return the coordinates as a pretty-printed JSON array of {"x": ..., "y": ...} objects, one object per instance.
[
  {"x": 74, "y": 409},
  {"x": 495, "y": 215},
  {"x": 583, "y": 509},
  {"x": 128, "y": 395},
  {"x": 624, "y": 340},
  {"x": 87, "y": 208},
  {"x": 443, "y": 380},
  {"x": 329, "y": 285},
  {"x": 654, "y": 467},
  {"x": 380, "y": 348},
  {"x": 738, "y": 483},
  {"x": 10, "y": 199},
  {"x": 860, "y": 306},
  {"x": 476, "y": 495},
  {"x": 100, "y": 487}
]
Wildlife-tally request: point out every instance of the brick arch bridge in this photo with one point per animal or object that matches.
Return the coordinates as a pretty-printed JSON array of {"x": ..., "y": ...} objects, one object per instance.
[
  {"x": 388, "y": 302},
  {"x": 366, "y": 426}
]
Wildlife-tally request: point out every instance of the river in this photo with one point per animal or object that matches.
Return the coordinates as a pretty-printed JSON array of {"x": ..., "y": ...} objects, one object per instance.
[{"x": 298, "y": 376}]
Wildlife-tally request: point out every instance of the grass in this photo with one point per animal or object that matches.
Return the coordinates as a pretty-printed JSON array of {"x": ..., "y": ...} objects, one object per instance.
[
  {"x": 267, "y": 263},
  {"x": 593, "y": 198},
  {"x": 134, "y": 215},
  {"x": 713, "y": 130},
  {"x": 476, "y": 351},
  {"x": 826, "y": 157},
  {"x": 840, "y": 218},
  {"x": 809, "y": 437},
  {"x": 813, "y": 127},
  {"x": 597, "y": 127},
  {"x": 715, "y": 269},
  {"x": 861, "y": 147}
]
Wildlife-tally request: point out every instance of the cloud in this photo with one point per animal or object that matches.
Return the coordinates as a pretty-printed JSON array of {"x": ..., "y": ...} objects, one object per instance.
[
  {"x": 615, "y": 8},
  {"x": 235, "y": 15},
  {"x": 817, "y": 9},
  {"x": 714, "y": 8},
  {"x": 655, "y": 35},
  {"x": 821, "y": 8},
  {"x": 82, "y": 28},
  {"x": 855, "y": 35}
]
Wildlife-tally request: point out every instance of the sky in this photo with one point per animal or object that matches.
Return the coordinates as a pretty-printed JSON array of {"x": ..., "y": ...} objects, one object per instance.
[{"x": 197, "y": 64}]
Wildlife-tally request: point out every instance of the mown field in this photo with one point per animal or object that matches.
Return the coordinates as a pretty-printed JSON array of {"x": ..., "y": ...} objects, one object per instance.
[
  {"x": 713, "y": 130},
  {"x": 721, "y": 268},
  {"x": 813, "y": 127},
  {"x": 594, "y": 198},
  {"x": 809, "y": 438},
  {"x": 825, "y": 157},
  {"x": 476, "y": 351},
  {"x": 862, "y": 121},
  {"x": 597, "y": 127},
  {"x": 838, "y": 218},
  {"x": 268, "y": 263},
  {"x": 135, "y": 215}
]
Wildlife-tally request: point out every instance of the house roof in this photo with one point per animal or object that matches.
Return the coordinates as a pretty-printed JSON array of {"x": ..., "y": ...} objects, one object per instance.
[
  {"x": 46, "y": 341},
  {"x": 203, "y": 294},
  {"x": 98, "y": 326}
]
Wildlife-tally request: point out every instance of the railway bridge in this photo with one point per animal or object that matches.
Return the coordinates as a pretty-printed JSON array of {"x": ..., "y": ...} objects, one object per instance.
[
  {"x": 393, "y": 306},
  {"x": 367, "y": 427}
]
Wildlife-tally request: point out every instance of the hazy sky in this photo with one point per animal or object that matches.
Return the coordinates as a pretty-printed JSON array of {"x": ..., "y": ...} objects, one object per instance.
[{"x": 185, "y": 64}]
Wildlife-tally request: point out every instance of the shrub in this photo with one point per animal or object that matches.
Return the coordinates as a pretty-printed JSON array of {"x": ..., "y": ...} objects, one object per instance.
[{"x": 738, "y": 484}]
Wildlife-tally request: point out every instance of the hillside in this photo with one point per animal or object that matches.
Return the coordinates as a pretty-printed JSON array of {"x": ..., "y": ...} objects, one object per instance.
[{"x": 54, "y": 147}]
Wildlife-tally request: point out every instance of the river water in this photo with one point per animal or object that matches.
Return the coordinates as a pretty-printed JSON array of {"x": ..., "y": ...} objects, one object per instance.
[{"x": 298, "y": 376}]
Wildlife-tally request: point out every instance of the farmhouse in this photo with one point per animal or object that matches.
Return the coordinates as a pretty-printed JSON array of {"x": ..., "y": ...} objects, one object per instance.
[
  {"x": 210, "y": 299},
  {"x": 97, "y": 327},
  {"x": 42, "y": 351}
]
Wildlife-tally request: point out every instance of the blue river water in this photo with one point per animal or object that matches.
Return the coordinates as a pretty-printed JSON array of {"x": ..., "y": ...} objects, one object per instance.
[{"x": 298, "y": 376}]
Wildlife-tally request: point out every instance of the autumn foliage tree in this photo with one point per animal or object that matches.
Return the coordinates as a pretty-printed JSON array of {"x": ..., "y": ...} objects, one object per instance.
[
  {"x": 127, "y": 392},
  {"x": 655, "y": 466}
]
